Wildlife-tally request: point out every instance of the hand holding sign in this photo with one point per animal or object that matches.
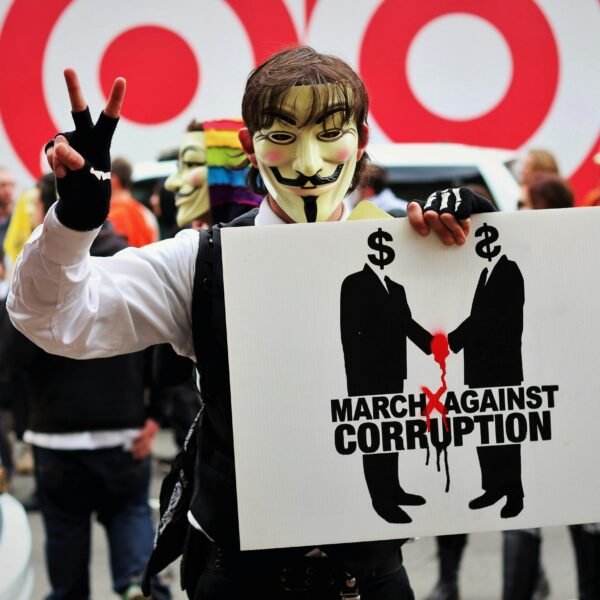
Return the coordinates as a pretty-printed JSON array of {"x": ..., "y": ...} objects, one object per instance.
[
  {"x": 80, "y": 159},
  {"x": 447, "y": 212}
]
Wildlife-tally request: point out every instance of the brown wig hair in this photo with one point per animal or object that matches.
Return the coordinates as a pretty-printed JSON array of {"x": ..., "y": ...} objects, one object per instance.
[
  {"x": 268, "y": 84},
  {"x": 547, "y": 190}
]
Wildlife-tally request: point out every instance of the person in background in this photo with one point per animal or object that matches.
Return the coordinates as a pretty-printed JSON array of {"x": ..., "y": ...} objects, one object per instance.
[
  {"x": 7, "y": 197},
  {"x": 210, "y": 182},
  {"x": 128, "y": 216},
  {"x": 546, "y": 190},
  {"x": 374, "y": 187},
  {"x": 535, "y": 160},
  {"x": 592, "y": 198},
  {"x": 162, "y": 204},
  {"x": 92, "y": 436},
  {"x": 524, "y": 577}
]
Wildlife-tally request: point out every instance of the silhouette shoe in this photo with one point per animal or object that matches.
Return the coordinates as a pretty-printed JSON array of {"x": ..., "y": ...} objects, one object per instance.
[
  {"x": 391, "y": 512},
  {"x": 444, "y": 590},
  {"x": 513, "y": 506},
  {"x": 486, "y": 499},
  {"x": 405, "y": 499}
]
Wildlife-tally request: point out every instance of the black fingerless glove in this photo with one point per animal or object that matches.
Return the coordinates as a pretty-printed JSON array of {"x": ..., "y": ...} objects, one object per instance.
[
  {"x": 84, "y": 195},
  {"x": 459, "y": 202}
]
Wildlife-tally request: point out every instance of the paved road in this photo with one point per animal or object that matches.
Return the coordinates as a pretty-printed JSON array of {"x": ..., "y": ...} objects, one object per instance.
[{"x": 480, "y": 576}]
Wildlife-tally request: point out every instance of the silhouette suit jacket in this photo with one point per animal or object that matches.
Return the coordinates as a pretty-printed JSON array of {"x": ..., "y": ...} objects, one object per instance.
[
  {"x": 375, "y": 323},
  {"x": 491, "y": 335}
]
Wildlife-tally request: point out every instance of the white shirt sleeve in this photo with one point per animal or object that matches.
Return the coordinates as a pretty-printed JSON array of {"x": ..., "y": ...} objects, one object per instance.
[{"x": 84, "y": 307}]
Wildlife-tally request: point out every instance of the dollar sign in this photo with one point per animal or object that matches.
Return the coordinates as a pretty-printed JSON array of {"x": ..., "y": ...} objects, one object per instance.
[
  {"x": 484, "y": 247},
  {"x": 385, "y": 254}
]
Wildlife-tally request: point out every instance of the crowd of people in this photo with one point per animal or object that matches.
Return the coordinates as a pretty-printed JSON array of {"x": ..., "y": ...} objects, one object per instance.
[{"x": 90, "y": 395}]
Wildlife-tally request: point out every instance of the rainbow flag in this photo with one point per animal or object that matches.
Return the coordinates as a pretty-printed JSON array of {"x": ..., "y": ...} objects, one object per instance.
[{"x": 227, "y": 187}]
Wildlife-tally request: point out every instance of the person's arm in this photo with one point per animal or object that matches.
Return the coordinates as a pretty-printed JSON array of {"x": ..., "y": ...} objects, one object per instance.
[
  {"x": 83, "y": 307},
  {"x": 417, "y": 334},
  {"x": 87, "y": 307},
  {"x": 456, "y": 338}
]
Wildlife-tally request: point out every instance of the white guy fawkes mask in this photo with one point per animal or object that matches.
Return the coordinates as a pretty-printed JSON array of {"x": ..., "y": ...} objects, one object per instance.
[
  {"x": 190, "y": 182},
  {"x": 307, "y": 167}
]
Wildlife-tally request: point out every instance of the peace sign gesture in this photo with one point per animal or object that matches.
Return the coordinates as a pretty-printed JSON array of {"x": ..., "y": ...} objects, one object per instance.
[{"x": 80, "y": 159}]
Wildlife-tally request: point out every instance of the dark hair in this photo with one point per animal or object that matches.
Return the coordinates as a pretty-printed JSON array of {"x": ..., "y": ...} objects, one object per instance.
[
  {"x": 121, "y": 167},
  {"x": 547, "y": 190},
  {"x": 268, "y": 84},
  {"x": 47, "y": 186},
  {"x": 375, "y": 177}
]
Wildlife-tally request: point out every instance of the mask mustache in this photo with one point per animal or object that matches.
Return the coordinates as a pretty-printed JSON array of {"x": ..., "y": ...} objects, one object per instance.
[{"x": 302, "y": 179}]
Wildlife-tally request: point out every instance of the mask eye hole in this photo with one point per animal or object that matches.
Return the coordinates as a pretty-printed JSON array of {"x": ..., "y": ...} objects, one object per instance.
[
  {"x": 281, "y": 137},
  {"x": 330, "y": 135},
  {"x": 188, "y": 164}
]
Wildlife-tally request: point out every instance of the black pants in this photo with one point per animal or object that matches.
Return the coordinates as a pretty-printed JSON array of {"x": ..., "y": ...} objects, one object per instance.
[
  {"x": 209, "y": 573},
  {"x": 587, "y": 555},
  {"x": 521, "y": 571},
  {"x": 216, "y": 586}
]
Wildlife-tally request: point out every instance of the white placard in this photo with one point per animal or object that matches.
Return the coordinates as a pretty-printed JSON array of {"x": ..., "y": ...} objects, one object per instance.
[{"x": 308, "y": 402}]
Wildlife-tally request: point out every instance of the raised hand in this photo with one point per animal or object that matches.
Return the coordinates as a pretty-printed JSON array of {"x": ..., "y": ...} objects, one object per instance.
[
  {"x": 447, "y": 212},
  {"x": 80, "y": 159}
]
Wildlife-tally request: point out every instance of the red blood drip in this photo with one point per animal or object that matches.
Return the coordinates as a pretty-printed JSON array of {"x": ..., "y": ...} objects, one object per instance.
[{"x": 440, "y": 351}]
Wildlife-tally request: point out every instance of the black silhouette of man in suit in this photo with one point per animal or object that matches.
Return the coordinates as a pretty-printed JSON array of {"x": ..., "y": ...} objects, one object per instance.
[
  {"x": 491, "y": 341},
  {"x": 375, "y": 322}
]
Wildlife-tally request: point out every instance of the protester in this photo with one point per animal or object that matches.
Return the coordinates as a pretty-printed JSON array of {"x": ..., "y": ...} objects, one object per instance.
[
  {"x": 535, "y": 160},
  {"x": 524, "y": 577},
  {"x": 128, "y": 216},
  {"x": 172, "y": 292},
  {"x": 592, "y": 198},
  {"x": 210, "y": 182},
  {"x": 374, "y": 187},
  {"x": 92, "y": 436},
  {"x": 7, "y": 196},
  {"x": 162, "y": 204}
]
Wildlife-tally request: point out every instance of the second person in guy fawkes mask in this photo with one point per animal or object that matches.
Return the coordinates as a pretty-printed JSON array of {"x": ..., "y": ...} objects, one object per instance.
[{"x": 210, "y": 183}]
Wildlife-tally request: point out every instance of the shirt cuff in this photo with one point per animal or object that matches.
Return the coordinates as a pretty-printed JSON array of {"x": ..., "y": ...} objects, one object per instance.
[{"x": 62, "y": 245}]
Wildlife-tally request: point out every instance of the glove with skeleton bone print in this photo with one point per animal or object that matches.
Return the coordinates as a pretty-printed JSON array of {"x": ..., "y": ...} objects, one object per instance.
[{"x": 459, "y": 202}]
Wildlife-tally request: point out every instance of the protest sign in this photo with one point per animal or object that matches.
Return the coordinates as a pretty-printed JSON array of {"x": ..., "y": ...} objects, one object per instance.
[{"x": 385, "y": 386}]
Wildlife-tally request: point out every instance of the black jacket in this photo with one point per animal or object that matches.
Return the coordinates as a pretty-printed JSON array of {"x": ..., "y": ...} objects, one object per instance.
[
  {"x": 70, "y": 395},
  {"x": 491, "y": 335},
  {"x": 375, "y": 324},
  {"x": 202, "y": 478}
]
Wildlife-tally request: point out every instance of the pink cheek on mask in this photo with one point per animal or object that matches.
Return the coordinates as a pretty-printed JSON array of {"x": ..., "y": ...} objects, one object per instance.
[
  {"x": 273, "y": 157},
  {"x": 342, "y": 156},
  {"x": 196, "y": 178}
]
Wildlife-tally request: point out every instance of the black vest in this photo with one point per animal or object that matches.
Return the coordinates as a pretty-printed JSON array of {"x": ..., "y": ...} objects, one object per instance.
[
  {"x": 202, "y": 477},
  {"x": 214, "y": 503}
]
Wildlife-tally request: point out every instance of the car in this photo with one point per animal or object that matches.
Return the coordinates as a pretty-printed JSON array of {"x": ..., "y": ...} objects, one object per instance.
[
  {"x": 16, "y": 570},
  {"x": 416, "y": 170}
]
